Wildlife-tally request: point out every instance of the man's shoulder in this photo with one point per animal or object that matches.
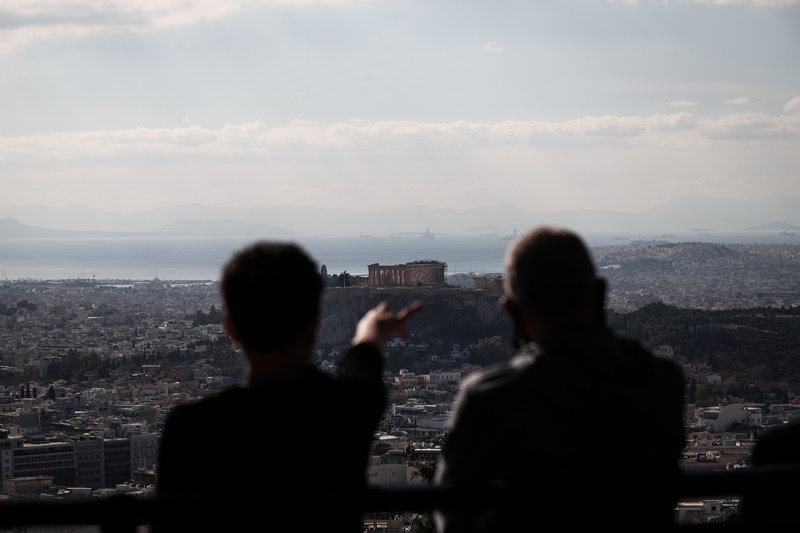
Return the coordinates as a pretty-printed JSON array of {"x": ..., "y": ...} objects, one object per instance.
[
  {"x": 661, "y": 366},
  {"x": 220, "y": 401},
  {"x": 499, "y": 375},
  {"x": 779, "y": 445}
]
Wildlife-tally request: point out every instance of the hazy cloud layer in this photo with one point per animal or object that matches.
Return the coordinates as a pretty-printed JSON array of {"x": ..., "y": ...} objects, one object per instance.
[
  {"x": 258, "y": 139},
  {"x": 377, "y": 104},
  {"x": 424, "y": 162},
  {"x": 23, "y": 21}
]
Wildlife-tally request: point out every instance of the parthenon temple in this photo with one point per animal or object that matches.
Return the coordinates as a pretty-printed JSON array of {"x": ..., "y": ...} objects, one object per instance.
[{"x": 407, "y": 274}]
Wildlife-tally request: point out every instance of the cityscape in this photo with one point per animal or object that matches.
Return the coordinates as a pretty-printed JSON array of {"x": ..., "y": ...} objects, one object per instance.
[
  {"x": 405, "y": 146},
  {"x": 90, "y": 368}
]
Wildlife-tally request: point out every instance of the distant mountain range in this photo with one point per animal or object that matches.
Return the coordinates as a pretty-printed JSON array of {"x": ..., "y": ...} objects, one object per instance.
[
  {"x": 773, "y": 226},
  {"x": 686, "y": 214}
]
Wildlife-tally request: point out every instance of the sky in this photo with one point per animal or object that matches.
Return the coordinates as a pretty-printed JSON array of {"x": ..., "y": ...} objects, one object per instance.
[{"x": 375, "y": 104}]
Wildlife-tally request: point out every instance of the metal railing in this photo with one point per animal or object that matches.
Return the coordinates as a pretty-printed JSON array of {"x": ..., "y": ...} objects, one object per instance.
[{"x": 125, "y": 513}]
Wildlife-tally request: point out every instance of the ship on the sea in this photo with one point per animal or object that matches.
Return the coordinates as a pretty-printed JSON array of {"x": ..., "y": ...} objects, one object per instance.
[{"x": 512, "y": 236}]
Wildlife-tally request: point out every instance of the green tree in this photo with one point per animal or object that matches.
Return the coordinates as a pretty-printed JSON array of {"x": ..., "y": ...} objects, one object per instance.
[
  {"x": 399, "y": 396},
  {"x": 423, "y": 523},
  {"x": 490, "y": 350},
  {"x": 201, "y": 318},
  {"x": 425, "y": 471},
  {"x": 692, "y": 398},
  {"x": 706, "y": 395}
]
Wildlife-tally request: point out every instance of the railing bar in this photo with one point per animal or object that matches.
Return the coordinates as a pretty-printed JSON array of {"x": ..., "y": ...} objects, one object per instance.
[{"x": 122, "y": 513}]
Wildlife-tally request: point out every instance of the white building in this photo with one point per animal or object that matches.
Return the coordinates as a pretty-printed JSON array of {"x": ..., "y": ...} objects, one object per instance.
[
  {"x": 443, "y": 377},
  {"x": 144, "y": 451},
  {"x": 725, "y": 417},
  {"x": 384, "y": 473}
]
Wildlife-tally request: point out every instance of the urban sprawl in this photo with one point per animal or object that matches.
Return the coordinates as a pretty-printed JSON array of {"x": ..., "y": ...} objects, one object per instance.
[{"x": 97, "y": 433}]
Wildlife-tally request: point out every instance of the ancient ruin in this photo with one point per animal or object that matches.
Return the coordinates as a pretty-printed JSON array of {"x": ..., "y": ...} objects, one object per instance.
[{"x": 408, "y": 274}]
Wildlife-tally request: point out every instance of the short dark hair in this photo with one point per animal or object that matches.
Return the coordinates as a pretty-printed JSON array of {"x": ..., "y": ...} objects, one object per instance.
[
  {"x": 550, "y": 273},
  {"x": 271, "y": 292}
]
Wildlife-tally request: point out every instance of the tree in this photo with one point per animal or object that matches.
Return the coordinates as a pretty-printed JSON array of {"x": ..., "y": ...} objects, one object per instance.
[
  {"x": 51, "y": 393},
  {"x": 490, "y": 350},
  {"x": 201, "y": 318},
  {"x": 69, "y": 364},
  {"x": 423, "y": 523},
  {"x": 425, "y": 471},
  {"x": 692, "y": 391},
  {"x": 399, "y": 396}
]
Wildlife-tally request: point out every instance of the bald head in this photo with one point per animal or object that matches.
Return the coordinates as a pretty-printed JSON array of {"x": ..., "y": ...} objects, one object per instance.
[{"x": 550, "y": 275}]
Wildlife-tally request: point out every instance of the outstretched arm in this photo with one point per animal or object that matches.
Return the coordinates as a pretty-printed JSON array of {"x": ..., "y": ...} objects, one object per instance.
[
  {"x": 380, "y": 323},
  {"x": 362, "y": 366}
]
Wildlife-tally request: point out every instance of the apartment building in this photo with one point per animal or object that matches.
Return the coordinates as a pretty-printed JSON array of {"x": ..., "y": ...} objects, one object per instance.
[{"x": 727, "y": 417}]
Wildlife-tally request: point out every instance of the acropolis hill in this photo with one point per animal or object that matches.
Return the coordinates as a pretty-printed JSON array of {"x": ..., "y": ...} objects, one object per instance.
[
  {"x": 477, "y": 309},
  {"x": 686, "y": 275}
]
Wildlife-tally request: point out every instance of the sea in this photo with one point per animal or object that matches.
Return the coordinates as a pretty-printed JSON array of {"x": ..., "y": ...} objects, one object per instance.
[{"x": 202, "y": 258}]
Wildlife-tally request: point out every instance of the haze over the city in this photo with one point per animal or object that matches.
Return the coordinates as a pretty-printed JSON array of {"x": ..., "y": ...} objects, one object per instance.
[{"x": 373, "y": 105}]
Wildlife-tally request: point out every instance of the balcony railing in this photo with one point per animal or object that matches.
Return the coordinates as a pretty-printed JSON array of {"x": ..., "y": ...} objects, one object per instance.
[{"x": 126, "y": 514}]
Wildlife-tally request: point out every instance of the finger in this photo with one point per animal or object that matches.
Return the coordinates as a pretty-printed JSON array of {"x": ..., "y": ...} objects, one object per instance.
[
  {"x": 409, "y": 310},
  {"x": 402, "y": 332}
]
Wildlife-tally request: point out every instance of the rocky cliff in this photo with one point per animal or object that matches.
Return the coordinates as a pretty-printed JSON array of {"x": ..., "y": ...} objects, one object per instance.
[{"x": 449, "y": 313}]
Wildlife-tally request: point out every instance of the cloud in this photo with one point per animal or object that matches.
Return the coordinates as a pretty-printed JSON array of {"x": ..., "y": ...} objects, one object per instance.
[
  {"x": 257, "y": 141},
  {"x": 349, "y": 164},
  {"x": 24, "y": 21},
  {"x": 793, "y": 104},
  {"x": 680, "y": 103},
  {"x": 738, "y": 101},
  {"x": 755, "y": 3},
  {"x": 492, "y": 48},
  {"x": 752, "y": 126}
]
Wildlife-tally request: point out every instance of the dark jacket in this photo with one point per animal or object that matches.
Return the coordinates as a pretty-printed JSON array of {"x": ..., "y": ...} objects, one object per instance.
[
  {"x": 580, "y": 424},
  {"x": 277, "y": 449},
  {"x": 774, "y": 503}
]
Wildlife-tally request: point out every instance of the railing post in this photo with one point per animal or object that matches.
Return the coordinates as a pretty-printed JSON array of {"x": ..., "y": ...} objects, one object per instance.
[{"x": 122, "y": 515}]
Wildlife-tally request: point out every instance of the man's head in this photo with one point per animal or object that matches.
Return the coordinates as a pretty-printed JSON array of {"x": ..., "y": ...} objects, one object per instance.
[
  {"x": 271, "y": 293},
  {"x": 550, "y": 276}
]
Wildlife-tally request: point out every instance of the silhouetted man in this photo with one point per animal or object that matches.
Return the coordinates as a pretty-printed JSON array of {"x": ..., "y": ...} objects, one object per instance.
[
  {"x": 582, "y": 426},
  {"x": 774, "y": 504},
  {"x": 291, "y": 444}
]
